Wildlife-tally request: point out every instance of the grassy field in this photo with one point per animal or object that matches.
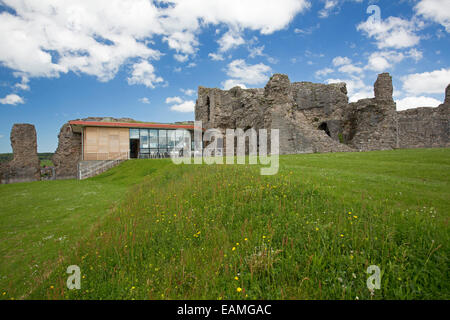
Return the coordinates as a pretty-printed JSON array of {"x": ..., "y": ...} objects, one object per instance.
[{"x": 151, "y": 230}]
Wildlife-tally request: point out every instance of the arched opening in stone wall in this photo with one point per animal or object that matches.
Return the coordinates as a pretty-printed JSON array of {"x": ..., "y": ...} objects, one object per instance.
[
  {"x": 324, "y": 127},
  {"x": 208, "y": 108}
]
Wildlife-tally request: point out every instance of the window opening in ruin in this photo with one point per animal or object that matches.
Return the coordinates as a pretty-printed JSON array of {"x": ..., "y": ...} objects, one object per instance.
[{"x": 324, "y": 127}]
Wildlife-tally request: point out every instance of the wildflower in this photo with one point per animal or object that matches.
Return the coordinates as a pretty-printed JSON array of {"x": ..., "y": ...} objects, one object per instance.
[
  {"x": 264, "y": 237},
  {"x": 245, "y": 239},
  {"x": 317, "y": 229},
  {"x": 342, "y": 235},
  {"x": 236, "y": 278},
  {"x": 350, "y": 213},
  {"x": 356, "y": 217},
  {"x": 51, "y": 287},
  {"x": 4, "y": 293},
  {"x": 239, "y": 289},
  {"x": 237, "y": 243},
  {"x": 234, "y": 248},
  {"x": 132, "y": 288}
]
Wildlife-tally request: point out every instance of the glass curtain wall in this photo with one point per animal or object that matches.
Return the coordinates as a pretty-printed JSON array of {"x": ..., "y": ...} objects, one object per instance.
[{"x": 159, "y": 143}]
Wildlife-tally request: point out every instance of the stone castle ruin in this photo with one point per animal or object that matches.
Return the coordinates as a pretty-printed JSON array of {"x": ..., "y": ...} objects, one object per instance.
[
  {"x": 311, "y": 118},
  {"x": 318, "y": 117}
]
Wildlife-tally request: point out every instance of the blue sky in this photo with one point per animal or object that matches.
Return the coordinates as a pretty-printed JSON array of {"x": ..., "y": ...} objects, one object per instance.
[{"x": 64, "y": 60}]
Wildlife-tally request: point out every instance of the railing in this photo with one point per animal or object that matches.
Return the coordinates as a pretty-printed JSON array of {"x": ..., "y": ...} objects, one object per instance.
[{"x": 100, "y": 167}]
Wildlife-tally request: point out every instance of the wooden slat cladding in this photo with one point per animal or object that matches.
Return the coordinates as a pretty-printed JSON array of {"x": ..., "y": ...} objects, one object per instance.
[{"x": 106, "y": 143}]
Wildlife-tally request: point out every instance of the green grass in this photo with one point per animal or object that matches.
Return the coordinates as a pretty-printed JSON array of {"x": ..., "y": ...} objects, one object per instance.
[{"x": 154, "y": 230}]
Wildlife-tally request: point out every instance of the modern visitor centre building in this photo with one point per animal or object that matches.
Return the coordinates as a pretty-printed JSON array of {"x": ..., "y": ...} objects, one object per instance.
[{"x": 131, "y": 140}]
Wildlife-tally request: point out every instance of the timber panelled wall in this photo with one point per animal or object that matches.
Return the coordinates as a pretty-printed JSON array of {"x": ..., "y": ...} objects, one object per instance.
[{"x": 103, "y": 143}]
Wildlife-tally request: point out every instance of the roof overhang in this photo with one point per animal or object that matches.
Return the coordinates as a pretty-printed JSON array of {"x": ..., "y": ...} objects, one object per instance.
[{"x": 77, "y": 125}]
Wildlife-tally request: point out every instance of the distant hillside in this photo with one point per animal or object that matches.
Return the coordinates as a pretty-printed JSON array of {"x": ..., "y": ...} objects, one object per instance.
[{"x": 45, "y": 158}]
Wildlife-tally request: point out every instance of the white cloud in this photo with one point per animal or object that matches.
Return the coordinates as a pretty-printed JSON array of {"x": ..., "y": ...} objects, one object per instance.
[
  {"x": 144, "y": 100},
  {"x": 415, "y": 54},
  {"x": 256, "y": 51},
  {"x": 174, "y": 100},
  {"x": 240, "y": 71},
  {"x": 427, "y": 82},
  {"x": 323, "y": 72},
  {"x": 12, "y": 99},
  {"x": 330, "y": 5},
  {"x": 181, "y": 57},
  {"x": 230, "y": 40},
  {"x": 231, "y": 83},
  {"x": 349, "y": 68},
  {"x": 339, "y": 61},
  {"x": 185, "y": 106},
  {"x": 144, "y": 73},
  {"x": 188, "y": 92},
  {"x": 393, "y": 32},
  {"x": 216, "y": 56},
  {"x": 435, "y": 10},
  {"x": 23, "y": 85},
  {"x": 47, "y": 38},
  {"x": 416, "y": 102},
  {"x": 383, "y": 60}
]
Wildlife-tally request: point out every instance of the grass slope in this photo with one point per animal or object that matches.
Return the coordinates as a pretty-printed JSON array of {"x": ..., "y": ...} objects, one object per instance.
[{"x": 225, "y": 232}]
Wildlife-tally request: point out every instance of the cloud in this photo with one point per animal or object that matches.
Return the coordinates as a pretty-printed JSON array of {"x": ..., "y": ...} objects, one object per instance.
[
  {"x": 185, "y": 107},
  {"x": 216, "y": 56},
  {"x": 330, "y": 5},
  {"x": 23, "y": 85},
  {"x": 231, "y": 83},
  {"x": 1, "y": 136},
  {"x": 416, "y": 102},
  {"x": 393, "y": 32},
  {"x": 12, "y": 99},
  {"x": 427, "y": 82},
  {"x": 339, "y": 61},
  {"x": 97, "y": 38},
  {"x": 188, "y": 92},
  {"x": 174, "y": 100},
  {"x": 144, "y": 73},
  {"x": 323, "y": 72},
  {"x": 144, "y": 100},
  {"x": 230, "y": 40},
  {"x": 435, "y": 10},
  {"x": 241, "y": 72},
  {"x": 383, "y": 60},
  {"x": 181, "y": 57}
]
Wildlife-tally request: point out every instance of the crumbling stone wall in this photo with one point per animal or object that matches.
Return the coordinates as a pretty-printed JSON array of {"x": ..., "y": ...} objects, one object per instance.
[
  {"x": 425, "y": 127},
  {"x": 25, "y": 166},
  {"x": 315, "y": 117},
  {"x": 68, "y": 153}
]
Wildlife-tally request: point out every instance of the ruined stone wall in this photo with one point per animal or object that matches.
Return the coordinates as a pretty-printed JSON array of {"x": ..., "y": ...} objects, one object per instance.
[
  {"x": 25, "y": 166},
  {"x": 68, "y": 153},
  {"x": 318, "y": 118},
  {"x": 425, "y": 127}
]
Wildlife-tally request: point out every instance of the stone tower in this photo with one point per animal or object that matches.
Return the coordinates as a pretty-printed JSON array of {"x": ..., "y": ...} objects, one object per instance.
[{"x": 25, "y": 166}]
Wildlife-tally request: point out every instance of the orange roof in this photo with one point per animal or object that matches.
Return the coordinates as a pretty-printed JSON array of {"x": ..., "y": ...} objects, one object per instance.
[{"x": 130, "y": 125}]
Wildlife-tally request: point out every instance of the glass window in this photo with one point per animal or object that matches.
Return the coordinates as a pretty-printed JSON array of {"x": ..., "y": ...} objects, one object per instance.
[
  {"x": 153, "y": 138},
  {"x": 163, "y": 139},
  {"x": 134, "y": 133},
  {"x": 144, "y": 138},
  {"x": 171, "y": 137}
]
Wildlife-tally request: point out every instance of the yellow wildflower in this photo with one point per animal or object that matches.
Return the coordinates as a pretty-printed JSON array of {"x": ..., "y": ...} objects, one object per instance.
[{"x": 239, "y": 289}]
